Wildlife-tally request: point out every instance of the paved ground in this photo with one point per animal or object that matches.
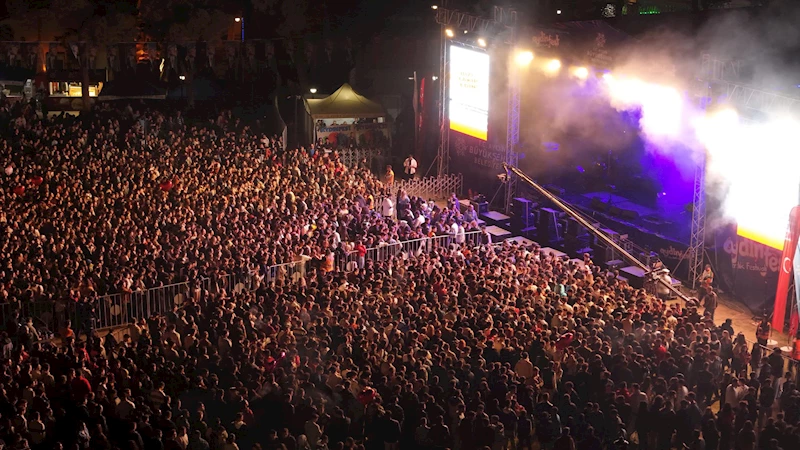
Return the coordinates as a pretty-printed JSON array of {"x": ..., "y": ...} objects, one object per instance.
[{"x": 744, "y": 321}]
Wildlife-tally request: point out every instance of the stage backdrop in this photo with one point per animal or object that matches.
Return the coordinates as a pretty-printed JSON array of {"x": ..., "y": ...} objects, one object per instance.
[
  {"x": 479, "y": 161},
  {"x": 747, "y": 269}
]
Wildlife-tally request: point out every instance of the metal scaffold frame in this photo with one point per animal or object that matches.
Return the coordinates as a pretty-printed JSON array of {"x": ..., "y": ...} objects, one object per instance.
[
  {"x": 502, "y": 20},
  {"x": 716, "y": 85},
  {"x": 512, "y": 130},
  {"x": 443, "y": 154},
  {"x": 697, "y": 241}
]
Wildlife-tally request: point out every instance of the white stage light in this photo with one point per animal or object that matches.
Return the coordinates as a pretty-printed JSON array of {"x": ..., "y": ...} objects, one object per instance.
[
  {"x": 553, "y": 66},
  {"x": 524, "y": 58},
  {"x": 581, "y": 73}
]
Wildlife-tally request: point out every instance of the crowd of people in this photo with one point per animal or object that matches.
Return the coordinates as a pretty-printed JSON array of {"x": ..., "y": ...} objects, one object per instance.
[
  {"x": 464, "y": 345},
  {"x": 124, "y": 200}
]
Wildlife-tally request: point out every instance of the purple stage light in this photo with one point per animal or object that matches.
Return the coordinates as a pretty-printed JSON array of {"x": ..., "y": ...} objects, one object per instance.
[{"x": 581, "y": 169}]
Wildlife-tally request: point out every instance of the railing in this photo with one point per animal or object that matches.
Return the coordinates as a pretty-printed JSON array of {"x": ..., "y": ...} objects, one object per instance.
[
  {"x": 122, "y": 309},
  {"x": 438, "y": 187},
  {"x": 351, "y": 157},
  {"x": 404, "y": 250}
]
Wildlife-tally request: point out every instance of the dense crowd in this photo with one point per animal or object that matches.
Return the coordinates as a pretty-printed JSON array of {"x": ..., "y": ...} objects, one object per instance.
[
  {"x": 465, "y": 346},
  {"x": 124, "y": 200}
]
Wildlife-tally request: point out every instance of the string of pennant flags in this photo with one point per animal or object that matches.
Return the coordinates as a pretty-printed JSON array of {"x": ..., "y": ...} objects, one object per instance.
[{"x": 168, "y": 55}]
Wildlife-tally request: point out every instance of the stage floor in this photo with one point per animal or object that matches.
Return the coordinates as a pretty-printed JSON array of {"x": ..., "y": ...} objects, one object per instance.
[
  {"x": 621, "y": 203},
  {"x": 673, "y": 226}
]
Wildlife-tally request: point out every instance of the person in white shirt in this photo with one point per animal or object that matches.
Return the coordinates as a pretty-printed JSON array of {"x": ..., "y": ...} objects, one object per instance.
[
  {"x": 410, "y": 166},
  {"x": 461, "y": 234},
  {"x": 387, "y": 207}
]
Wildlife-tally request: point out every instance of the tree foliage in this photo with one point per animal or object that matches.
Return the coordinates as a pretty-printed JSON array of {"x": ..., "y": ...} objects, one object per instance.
[
  {"x": 291, "y": 18},
  {"x": 185, "y": 20},
  {"x": 96, "y": 21}
]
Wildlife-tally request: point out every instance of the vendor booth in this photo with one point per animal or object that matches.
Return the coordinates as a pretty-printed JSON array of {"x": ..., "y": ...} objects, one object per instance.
[{"x": 347, "y": 118}]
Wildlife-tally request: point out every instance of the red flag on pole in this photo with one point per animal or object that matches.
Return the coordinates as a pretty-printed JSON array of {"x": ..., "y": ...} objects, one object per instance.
[{"x": 785, "y": 277}]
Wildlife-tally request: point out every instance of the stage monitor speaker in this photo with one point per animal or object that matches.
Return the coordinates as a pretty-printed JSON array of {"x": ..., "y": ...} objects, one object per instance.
[
  {"x": 598, "y": 204},
  {"x": 547, "y": 226},
  {"x": 574, "y": 228},
  {"x": 522, "y": 209},
  {"x": 555, "y": 190},
  {"x": 630, "y": 214},
  {"x": 572, "y": 245},
  {"x": 481, "y": 207}
]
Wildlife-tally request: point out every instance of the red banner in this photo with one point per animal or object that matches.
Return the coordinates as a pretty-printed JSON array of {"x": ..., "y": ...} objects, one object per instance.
[{"x": 785, "y": 276}]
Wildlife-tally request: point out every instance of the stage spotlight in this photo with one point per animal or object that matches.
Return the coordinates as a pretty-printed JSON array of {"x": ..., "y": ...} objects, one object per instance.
[
  {"x": 558, "y": 11},
  {"x": 434, "y": 78},
  {"x": 466, "y": 31},
  {"x": 434, "y": 7},
  {"x": 607, "y": 77},
  {"x": 449, "y": 33},
  {"x": 313, "y": 90},
  {"x": 482, "y": 42},
  {"x": 581, "y": 73},
  {"x": 553, "y": 66},
  {"x": 524, "y": 58}
]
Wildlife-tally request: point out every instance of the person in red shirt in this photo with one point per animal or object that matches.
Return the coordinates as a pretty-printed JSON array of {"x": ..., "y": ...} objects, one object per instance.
[
  {"x": 361, "y": 252},
  {"x": 81, "y": 388}
]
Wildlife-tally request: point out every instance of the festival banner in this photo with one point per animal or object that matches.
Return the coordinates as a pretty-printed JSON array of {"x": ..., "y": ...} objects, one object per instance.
[
  {"x": 747, "y": 269},
  {"x": 479, "y": 161},
  {"x": 785, "y": 276},
  {"x": 361, "y": 134}
]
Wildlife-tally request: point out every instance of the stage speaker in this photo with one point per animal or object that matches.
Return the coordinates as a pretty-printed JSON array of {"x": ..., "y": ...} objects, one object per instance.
[
  {"x": 571, "y": 244},
  {"x": 598, "y": 204},
  {"x": 555, "y": 190},
  {"x": 548, "y": 227},
  {"x": 522, "y": 209},
  {"x": 602, "y": 254},
  {"x": 574, "y": 228},
  {"x": 630, "y": 214},
  {"x": 480, "y": 207}
]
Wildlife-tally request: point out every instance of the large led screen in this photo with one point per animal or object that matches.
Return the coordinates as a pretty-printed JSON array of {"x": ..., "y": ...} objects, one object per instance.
[
  {"x": 765, "y": 180},
  {"x": 469, "y": 92}
]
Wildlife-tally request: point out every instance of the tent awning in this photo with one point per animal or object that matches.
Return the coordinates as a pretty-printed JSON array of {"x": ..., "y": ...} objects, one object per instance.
[
  {"x": 344, "y": 103},
  {"x": 131, "y": 89}
]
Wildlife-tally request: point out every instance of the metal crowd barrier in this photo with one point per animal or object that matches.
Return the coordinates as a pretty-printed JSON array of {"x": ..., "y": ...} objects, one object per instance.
[
  {"x": 404, "y": 250},
  {"x": 121, "y": 309}
]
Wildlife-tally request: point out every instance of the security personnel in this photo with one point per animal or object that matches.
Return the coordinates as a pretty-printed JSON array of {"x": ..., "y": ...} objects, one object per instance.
[{"x": 762, "y": 331}]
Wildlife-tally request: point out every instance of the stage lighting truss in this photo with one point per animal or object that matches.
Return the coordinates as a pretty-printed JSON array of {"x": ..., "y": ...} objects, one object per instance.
[
  {"x": 767, "y": 102},
  {"x": 716, "y": 85},
  {"x": 502, "y": 20},
  {"x": 501, "y": 25}
]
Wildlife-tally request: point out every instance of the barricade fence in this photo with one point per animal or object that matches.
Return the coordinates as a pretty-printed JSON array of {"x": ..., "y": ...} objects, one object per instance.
[
  {"x": 126, "y": 308},
  {"x": 438, "y": 187}
]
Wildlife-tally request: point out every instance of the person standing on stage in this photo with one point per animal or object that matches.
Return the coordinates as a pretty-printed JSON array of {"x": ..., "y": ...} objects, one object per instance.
[
  {"x": 762, "y": 331},
  {"x": 410, "y": 166},
  {"x": 706, "y": 280},
  {"x": 710, "y": 302},
  {"x": 388, "y": 176}
]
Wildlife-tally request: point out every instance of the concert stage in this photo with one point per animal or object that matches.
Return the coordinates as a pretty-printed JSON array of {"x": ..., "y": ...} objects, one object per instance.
[{"x": 616, "y": 209}]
